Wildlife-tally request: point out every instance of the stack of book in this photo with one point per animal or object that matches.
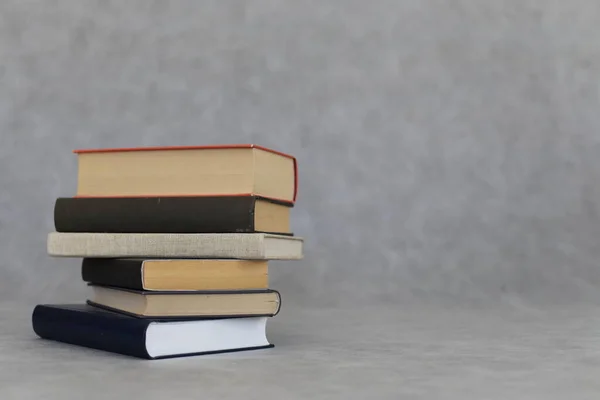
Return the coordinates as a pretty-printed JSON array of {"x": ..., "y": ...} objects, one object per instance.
[{"x": 175, "y": 245}]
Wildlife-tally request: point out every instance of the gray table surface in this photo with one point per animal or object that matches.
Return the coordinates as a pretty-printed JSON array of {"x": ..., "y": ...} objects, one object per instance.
[{"x": 427, "y": 352}]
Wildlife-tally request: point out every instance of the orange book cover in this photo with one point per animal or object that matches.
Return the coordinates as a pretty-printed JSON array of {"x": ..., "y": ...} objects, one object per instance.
[{"x": 206, "y": 147}]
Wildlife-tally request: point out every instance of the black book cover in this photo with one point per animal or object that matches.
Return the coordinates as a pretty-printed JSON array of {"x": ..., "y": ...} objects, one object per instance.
[
  {"x": 92, "y": 327},
  {"x": 116, "y": 272},
  {"x": 205, "y": 214}
]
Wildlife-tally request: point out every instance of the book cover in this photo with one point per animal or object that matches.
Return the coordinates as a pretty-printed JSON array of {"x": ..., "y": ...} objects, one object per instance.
[
  {"x": 92, "y": 327},
  {"x": 187, "y": 171},
  {"x": 196, "y": 214},
  {"x": 190, "y": 304},
  {"x": 249, "y": 246},
  {"x": 176, "y": 274}
]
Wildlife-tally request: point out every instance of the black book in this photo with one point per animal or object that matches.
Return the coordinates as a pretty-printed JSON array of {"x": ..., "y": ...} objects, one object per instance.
[
  {"x": 91, "y": 327},
  {"x": 176, "y": 274},
  {"x": 198, "y": 214}
]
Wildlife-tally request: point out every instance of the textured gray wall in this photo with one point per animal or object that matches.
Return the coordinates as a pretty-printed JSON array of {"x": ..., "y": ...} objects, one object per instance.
[{"x": 448, "y": 150}]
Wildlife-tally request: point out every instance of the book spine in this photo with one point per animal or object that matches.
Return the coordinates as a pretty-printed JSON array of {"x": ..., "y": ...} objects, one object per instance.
[
  {"x": 118, "y": 245},
  {"x": 118, "y": 272},
  {"x": 224, "y": 214},
  {"x": 128, "y": 336}
]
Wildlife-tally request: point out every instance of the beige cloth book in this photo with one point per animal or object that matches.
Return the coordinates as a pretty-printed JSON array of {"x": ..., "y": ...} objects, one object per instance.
[{"x": 248, "y": 246}]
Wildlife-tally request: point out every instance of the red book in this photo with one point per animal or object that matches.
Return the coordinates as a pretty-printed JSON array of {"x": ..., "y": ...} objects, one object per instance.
[{"x": 182, "y": 171}]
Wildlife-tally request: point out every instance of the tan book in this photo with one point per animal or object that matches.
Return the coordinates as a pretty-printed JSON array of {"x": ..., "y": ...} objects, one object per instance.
[
  {"x": 187, "y": 304},
  {"x": 229, "y": 170},
  {"x": 247, "y": 246},
  {"x": 173, "y": 275}
]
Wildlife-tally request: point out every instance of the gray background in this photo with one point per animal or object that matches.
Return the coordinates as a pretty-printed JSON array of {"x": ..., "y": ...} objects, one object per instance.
[{"x": 448, "y": 155}]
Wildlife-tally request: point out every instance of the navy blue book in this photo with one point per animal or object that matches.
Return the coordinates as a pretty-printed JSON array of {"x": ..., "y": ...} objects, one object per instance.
[{"x": 92, "y": 327}]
